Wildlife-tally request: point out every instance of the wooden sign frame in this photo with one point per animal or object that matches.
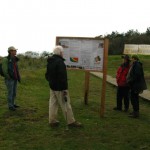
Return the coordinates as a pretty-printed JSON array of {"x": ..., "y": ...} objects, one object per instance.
[{"x": 87, "y": 71}]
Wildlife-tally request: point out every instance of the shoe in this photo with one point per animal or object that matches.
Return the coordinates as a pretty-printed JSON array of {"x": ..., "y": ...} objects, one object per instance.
[
  {"x": 117, "y": 109},
  {"x": 125, "y": 110},
  {"x": 12, "y": 108},
  {"x": 131, "y": 113},
  {"x": 75, "y": 124},
  {"x": 16, "y": 106},
  {"x": 54, "y": 124},
  {"x": 134, "y": 115}
]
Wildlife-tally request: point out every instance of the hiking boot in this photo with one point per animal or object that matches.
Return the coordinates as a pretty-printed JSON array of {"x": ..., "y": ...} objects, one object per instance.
[
  {"x": 125, "y": 110},
  {"x": 131, "y": 113},
  {"x": 12, "y": 108},
  {"x": 115, "y": 108},
  {"x": 75, "y": 124},
  {"x": 54, "y": 124},
  {"x": 134, "y": 115},
  {"x": 16, "y": 106}
]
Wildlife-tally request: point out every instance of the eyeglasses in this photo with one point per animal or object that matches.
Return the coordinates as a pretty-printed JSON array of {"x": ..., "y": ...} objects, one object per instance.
[{"x": 13, "y": 50}]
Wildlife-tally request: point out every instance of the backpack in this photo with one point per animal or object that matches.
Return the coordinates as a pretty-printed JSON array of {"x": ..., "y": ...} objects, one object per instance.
[{"x": 1, "y": 70}]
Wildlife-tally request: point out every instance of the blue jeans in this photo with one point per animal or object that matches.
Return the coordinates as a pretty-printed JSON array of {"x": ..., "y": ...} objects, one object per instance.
[{"x": 11, "y": 89}]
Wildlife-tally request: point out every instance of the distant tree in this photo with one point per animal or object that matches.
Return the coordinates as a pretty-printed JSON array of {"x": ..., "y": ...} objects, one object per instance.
[
  {"x": 148, "y": 31},
  {"x": 131, "y": 33},
  {"x": 45, "y": 54},
  {"x": 21, "y": 55},
  {"x": 1, "y": 58},
  {"x": 117, "y": 40},
  {"x": 32, "y": 54}
]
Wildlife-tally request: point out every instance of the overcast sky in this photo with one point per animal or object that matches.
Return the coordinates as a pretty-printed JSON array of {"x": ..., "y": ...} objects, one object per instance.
[{"x": 34, "y": 24}]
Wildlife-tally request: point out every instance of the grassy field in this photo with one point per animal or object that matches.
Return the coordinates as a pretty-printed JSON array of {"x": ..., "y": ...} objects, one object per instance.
[{"x": 28, "y": 128}]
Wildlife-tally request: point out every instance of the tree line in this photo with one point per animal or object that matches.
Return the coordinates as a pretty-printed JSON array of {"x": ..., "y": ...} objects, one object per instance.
[{"x": 118, "y": 40}]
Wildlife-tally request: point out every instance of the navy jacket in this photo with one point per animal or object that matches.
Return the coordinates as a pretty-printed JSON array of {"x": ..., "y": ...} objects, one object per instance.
[
  {"x": 56, "y": 73},
  {"x": 135, "y": 77}
]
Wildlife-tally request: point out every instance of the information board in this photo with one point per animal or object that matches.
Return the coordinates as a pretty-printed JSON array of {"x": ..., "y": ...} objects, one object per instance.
[{"x": 82, "y": 53}]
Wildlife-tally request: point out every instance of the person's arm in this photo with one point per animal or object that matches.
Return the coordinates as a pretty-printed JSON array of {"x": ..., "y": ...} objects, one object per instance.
[{"x": 62, "y": 75}]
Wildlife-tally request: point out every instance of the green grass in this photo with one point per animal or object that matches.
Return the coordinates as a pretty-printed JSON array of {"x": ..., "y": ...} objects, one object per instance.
[{"x": 28, "y": 129}]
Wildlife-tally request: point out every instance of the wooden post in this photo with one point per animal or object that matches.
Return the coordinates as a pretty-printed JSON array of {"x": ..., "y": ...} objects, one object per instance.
[
  {"x": 103, "y": 92},
  {"x": 86, "y": 90},
  {"x": 57, "y": 41}
]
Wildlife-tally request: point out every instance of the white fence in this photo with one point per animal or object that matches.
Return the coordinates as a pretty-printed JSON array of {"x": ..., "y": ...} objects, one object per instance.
[{"x": 137, "y": 49}]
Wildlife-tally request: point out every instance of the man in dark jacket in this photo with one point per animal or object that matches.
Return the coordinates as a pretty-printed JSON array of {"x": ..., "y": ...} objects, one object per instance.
[
  {"x": 57, "y": 76},
  {"x": 136, "y": 81},
  {"x": 11, "y": 74}
]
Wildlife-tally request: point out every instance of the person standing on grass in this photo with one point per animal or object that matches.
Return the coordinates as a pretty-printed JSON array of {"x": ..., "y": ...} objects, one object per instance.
[
  {"x": 123, "y": 88},
  {"x": 11, "y": 75},
  {"x": 136, "y": 81},
  {"x": 56, "y": 75}
]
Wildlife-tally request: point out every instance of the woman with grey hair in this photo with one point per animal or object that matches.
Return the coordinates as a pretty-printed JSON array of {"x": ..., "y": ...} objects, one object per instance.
[{"x": 59, "y": 95}]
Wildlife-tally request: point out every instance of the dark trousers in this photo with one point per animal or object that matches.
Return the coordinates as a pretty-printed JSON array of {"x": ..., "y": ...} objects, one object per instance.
[
  {"x": 123, "y": 94},
  {"x": 135, "y": 100}
]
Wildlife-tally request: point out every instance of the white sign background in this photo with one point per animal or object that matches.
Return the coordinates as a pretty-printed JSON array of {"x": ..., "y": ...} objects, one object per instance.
[{"x": 83, "y": 53}]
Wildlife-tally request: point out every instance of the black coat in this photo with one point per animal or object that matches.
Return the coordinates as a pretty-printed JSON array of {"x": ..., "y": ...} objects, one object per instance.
[
  {"x": 135, "y": 77},
  {"x": 56, "y": 73}
]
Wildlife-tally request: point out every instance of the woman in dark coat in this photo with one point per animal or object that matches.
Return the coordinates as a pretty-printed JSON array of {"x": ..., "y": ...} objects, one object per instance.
[{"x": 136, "y": 81}]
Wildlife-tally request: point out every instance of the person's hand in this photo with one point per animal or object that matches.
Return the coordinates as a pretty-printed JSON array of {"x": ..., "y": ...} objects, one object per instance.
[
  {"x": 65, "y": 95},
  {"x": 8, "y": 77},
  {"x": 64, "y": 92}
]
